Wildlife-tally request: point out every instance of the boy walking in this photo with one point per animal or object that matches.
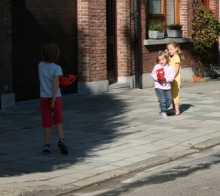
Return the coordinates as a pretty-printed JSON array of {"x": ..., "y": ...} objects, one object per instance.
[{"x": 50, "y": 96}]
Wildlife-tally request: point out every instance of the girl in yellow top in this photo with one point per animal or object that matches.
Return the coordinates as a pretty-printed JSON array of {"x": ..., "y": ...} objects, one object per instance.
[{"x": 176, "y": 56}]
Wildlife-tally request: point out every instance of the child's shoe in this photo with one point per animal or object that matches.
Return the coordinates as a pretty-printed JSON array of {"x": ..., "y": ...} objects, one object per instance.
[
  {"x": 46, "y": 149},
  {"x": 62, "y": 145},
  {"x": 163, "y": 115}
]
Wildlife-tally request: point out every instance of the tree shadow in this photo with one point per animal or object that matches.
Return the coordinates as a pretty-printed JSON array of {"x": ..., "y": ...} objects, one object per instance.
[
  {"x": 91, "y": 124},
  {"x": 94, "y": 125}
]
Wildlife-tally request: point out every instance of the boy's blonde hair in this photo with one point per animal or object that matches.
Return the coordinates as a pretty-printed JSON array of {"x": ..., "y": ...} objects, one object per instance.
[
  {"x": 50, "y": 52},
  {"x": 179, "y": 52},
  {"x": 164, "y": 55}
]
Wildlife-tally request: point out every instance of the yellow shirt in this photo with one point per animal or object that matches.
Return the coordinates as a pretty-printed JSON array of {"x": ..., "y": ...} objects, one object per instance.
[{"x": 173, "y": 60}]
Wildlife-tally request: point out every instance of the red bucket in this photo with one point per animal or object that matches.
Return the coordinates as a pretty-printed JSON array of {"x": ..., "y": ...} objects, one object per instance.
[
  {"x": 67, "y": 80},
  {"x": 160, "y": 73}
]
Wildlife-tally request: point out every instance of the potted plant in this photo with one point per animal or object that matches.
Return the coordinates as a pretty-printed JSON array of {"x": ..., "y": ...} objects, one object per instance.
[
  {"x": 174, "y": 30},
  {"x": 205, "y": 32},
  {"x": 156, "y": 31}
]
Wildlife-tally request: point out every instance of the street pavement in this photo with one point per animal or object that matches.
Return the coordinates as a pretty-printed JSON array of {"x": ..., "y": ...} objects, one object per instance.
[{"x": 108, "y": 135}]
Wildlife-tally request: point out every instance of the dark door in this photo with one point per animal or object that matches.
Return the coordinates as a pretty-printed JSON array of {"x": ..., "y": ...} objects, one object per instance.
[
  {"x": 34, "y": 23},
  {"x": 111, "y": 47}
]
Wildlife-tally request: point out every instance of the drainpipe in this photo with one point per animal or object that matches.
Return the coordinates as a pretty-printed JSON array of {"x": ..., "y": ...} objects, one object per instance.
[{"x": 136, "y": 42}]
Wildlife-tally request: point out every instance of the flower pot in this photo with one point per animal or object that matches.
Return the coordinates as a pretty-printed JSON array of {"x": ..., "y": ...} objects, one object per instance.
[
  {"x": 155, "y": 34},
  {"x": 174, "y": 33}
]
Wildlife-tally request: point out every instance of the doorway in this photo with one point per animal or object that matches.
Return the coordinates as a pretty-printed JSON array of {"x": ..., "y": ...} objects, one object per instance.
[
  {"x": 111, "y": 46},
  {"x": 35, "y": 23}
]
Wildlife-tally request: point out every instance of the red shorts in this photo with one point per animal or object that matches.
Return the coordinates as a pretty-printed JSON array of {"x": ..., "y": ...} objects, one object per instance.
[{"x": 51, "y": 116}]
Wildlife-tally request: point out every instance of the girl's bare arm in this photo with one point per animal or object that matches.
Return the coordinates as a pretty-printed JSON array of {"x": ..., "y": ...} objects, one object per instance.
[{"x": 177, "y": 69}]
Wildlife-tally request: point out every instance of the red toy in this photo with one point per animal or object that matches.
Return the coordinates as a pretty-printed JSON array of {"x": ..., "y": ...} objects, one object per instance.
[
  {"x": 160, "y": 73},
  {"x": 67, "y": 80}
]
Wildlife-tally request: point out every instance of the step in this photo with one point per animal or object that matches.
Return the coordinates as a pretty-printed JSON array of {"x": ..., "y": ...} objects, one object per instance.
[{"x": 119, "y": 86}]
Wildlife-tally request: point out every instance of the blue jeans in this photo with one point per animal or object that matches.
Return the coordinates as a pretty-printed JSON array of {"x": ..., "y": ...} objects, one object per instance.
[{"x": 164, "y": 98}]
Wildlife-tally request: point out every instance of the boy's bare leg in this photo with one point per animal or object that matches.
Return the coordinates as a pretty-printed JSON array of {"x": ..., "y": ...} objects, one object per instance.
[
  {"x": 47, "y": 136},
  {"x": 59, "y": 128}
]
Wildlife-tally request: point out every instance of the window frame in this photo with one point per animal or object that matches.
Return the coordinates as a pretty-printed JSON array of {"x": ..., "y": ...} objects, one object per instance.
[
  {"x": 177, "y": 12},
  {"x": 159, "y": 16},
  {"x": 206, "y": 3},
  {"x": 162, "y": 16}
]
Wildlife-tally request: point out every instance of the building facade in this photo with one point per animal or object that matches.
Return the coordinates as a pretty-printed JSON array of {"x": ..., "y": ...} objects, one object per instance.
[{"x": 97, "y": 39}]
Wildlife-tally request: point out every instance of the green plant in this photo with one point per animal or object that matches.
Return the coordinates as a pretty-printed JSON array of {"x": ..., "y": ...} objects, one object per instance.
[
  {"x": 175, "y": 26},
  {"x": 205, "y": 31},
  {"x": 156, "y": 27}
]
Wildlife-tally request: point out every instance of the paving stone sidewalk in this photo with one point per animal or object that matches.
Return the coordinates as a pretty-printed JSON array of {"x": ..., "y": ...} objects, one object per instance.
[{"x": 108, "y": 135}]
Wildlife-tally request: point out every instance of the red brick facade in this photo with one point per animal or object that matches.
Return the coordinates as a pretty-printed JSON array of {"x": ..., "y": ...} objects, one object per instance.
[
  {"x": 5, "y": 47},
  {"x": 123, "y": 34},
  {"x": 92, "y": 40},
  {"x": 214, "y": 6}
]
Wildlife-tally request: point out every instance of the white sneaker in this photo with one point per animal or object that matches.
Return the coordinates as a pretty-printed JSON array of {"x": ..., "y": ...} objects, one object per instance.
[{"x": 163, "y": 115}]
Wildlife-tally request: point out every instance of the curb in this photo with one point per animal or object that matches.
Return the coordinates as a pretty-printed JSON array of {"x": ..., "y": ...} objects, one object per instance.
[
  {"x": 177, "y": 155},
  {"x": 208, "y": 143},
  {"x": 151, "y": 162},
  {"x": 124, "y": 170}
]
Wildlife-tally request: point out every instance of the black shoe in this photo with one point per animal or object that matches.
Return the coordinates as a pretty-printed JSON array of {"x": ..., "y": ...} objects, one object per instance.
[
  {"x": 46, "y": 149},
  {"x": 62, "y": 145}
]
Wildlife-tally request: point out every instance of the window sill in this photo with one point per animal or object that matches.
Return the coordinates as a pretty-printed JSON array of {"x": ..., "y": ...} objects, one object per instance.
[{"x": 166, "y": 41}]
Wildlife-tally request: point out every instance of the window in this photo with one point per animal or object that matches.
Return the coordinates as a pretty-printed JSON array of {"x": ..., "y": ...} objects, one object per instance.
[
  {"x": 172, "y": 12},
  {"x": 165, "y": 11},
  {"x": 156, "y": 11}
]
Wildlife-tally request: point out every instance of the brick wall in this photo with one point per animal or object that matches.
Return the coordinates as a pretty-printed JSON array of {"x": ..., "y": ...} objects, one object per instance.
[
  {"x": 123, "y": 34},
  {"x": 214, "y": 6},
  {"x": 186, "y": 12},
  {"x": 189, "y": 17},
  {"x": 92, "y": 60},
  {"x": 5, "y": 47},
  {"x": 92, "y": 51},
  {"x": 132, "y": 52},
  {"x": 145, "y": 53}
]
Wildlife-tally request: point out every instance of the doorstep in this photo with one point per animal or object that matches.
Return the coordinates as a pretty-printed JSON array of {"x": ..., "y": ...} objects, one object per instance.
[{"x": 119, "y": 86}]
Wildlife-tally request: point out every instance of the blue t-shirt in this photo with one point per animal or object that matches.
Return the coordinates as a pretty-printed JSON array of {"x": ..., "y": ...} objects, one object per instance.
[{"x": 47, "y": 71}]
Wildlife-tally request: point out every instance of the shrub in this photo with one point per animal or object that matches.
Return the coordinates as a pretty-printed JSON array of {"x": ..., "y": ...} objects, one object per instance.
[
  {"x": 174, "y": 26},
  {"x": 156, "y": 27},
  {"x": 205, "y": 30}
]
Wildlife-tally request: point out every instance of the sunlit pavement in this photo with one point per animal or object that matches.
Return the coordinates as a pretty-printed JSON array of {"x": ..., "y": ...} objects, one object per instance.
[{"x": 108, "y": 135}]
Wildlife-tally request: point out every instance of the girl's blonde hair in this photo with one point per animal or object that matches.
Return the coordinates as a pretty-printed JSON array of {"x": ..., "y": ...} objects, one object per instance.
[
  {"x": 50, "y": 52},
  {"x": 179, "y": 52},
  {"x": 164, "y": 55}
]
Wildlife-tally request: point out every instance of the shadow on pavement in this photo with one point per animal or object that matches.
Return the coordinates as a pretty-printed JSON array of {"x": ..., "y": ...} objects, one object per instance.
[
  {"x": 185, "y": 107},
  {"x": 91, "y": 124}
]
